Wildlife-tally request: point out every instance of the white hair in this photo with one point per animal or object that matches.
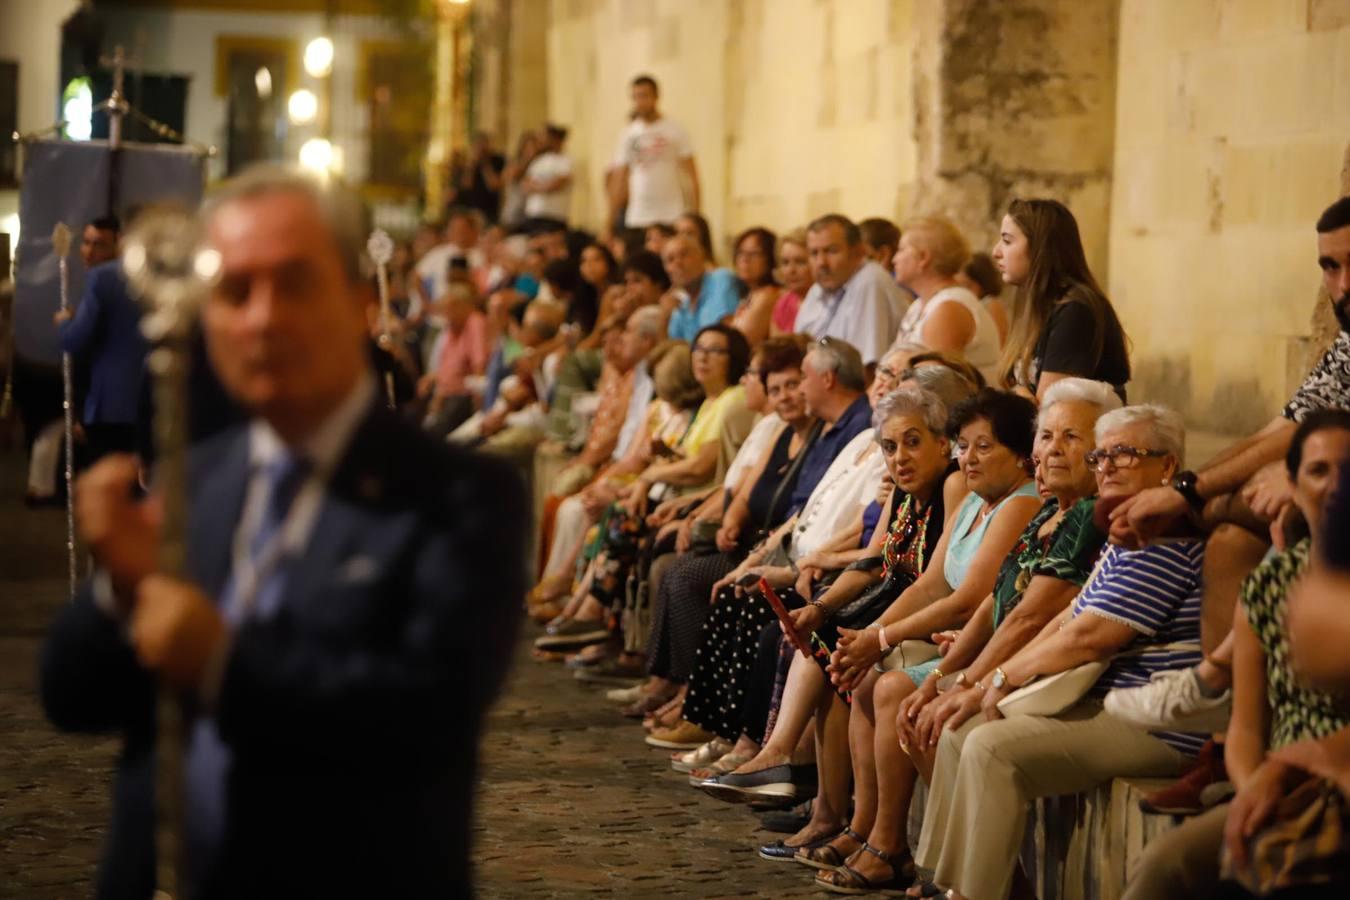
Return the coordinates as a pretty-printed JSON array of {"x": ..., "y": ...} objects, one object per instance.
[
  {"x": 1166, "y": 426},
  {"x": 647, "y": 321},
  {"x": 1079, "y": 390}
]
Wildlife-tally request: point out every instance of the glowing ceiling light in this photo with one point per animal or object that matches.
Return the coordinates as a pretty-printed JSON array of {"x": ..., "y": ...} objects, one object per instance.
[
  {"x": 262, "y": 80},
  {"x": 319, "y": 57},
  {"x": 317, "y": 155},
  {"x": 302, "y": 106}
]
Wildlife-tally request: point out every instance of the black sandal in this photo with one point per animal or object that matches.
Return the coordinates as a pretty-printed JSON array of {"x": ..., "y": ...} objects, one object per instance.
[
  {"x": 827, "y": 857},
  {"x": 848, "y": 880},
  {"x": 926, "y": 889}
]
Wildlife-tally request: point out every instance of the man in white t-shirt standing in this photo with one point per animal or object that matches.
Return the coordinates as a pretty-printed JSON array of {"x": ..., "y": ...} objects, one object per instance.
[
  {"x": 548, "y": 180},
  {"x": 652, "y": 154}
]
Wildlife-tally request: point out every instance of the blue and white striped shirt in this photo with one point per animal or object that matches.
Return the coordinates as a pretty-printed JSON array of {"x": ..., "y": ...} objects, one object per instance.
[{"x": 1156, "y": 591}]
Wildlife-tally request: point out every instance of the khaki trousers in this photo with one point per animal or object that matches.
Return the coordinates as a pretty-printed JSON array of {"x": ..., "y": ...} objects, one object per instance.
[
  {"x": 1184, "y": 863},
  {"x": 987, "y": 773}
]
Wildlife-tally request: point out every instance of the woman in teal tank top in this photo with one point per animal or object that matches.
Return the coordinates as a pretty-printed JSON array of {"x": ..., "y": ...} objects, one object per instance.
[{"x": 994, "y": 432}]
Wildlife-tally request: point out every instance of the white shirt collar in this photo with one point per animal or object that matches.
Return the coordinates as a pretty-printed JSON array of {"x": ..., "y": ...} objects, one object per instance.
[{"x": 323, "y": 448}]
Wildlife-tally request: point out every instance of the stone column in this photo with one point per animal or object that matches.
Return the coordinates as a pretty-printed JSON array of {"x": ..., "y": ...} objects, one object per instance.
[{"x": 1016, "y": 98}]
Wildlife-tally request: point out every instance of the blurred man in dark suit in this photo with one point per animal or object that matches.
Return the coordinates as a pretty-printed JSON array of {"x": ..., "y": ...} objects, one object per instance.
[
  {"x": 103, "y": 336},
  {"x": 353, "y": 594}
]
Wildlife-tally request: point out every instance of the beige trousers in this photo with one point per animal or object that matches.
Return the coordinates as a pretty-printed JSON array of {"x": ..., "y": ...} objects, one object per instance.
[
  {"x": 1185, "y": 863},
  {"x": 987, "y": 773}
]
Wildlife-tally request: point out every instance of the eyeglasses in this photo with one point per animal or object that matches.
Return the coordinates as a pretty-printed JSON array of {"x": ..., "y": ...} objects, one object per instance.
[
  {"x": 752, "y": 373},
  {"x": 887, "y": 372},
  {"x": 706, "y": 350},
  {"x": 1121, "y": 457}
]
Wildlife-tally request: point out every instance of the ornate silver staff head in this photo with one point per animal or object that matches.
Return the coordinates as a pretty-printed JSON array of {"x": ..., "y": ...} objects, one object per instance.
[
  {"x": 169, "y": 271},
  {"x": 61, "y": 240},
  {"x": 380, "y": 247}
]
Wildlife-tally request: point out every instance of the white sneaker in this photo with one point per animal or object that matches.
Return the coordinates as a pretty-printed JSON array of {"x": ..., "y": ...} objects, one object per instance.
[
  {"x": 626, "y": 695},
  {"x": 1171, "y": 701}
]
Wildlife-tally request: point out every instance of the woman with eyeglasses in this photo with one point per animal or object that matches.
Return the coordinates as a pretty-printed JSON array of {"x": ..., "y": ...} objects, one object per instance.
[
  {"x": 1047, "y": 565},
  {"x": 1139, "y": 613}
]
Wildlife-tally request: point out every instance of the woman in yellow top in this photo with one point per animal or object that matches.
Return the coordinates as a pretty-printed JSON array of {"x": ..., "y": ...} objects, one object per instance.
[{"x": 719, "y": 357}]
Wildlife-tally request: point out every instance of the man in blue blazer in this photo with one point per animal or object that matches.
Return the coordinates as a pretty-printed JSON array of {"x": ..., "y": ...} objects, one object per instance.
[
  {"x": 103, "y": 335},
  {"x": 351, "y": 606}
]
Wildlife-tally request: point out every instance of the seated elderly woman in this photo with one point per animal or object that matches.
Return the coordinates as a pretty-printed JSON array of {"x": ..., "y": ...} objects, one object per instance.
[
  {"x": 1139, "y": 613},
  {"x": 994, "y": 436},
  {"x": 1272, "y": 709},
  {"x": 835, "y": 503},
  {"x": 733, "y": 687},
  {"x": 759, "y": 507},
  {"x": 1048, "y": 560}
]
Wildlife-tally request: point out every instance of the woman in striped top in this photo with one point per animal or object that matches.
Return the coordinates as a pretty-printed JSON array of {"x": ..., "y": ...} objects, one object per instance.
[{"x": 1142, "y": 603}]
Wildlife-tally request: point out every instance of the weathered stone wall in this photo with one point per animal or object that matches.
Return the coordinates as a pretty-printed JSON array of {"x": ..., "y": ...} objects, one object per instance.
[
  {"x": 1232, "y": 121},
  {"x": 795, "y": 107},
  {"x": 1017, "y": 99},
  {"x": 1196, "y": 141}
]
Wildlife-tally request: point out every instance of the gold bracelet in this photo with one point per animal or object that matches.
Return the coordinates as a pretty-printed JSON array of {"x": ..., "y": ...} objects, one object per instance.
[{"x": 938, "y": 673}]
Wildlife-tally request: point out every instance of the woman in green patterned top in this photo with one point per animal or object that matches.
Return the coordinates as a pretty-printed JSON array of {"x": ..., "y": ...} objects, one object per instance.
[
  {"x": 1271, "y": 708},
  {"x": 1060, "y": 544}
]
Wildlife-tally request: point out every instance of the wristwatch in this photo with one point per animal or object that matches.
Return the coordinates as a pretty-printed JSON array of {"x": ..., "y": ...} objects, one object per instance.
[
  {"x": 1185, "y": 485},
  {"x": 999, "y": 681}
]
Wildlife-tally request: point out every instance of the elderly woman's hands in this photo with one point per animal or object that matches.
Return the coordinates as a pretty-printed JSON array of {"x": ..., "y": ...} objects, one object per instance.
[
  {"x": 856, "y": 652},
  {"x": 951, "y": 710},
  {"x": 912, "y": 705}
]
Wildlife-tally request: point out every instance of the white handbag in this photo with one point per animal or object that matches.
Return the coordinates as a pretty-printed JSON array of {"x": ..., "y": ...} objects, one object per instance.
[{"x": 1054, "y": 694}]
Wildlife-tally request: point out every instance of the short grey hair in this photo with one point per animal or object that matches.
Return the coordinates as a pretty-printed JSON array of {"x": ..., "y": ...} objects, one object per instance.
[
  {"x": 340, "y": 207},
  {"x": 911, "y": 401},
  {"x": 648, "y": 321},
  {"x": 843, "y": 359},
  {"x": 949, "y": 385},
  {"x": 1080, "y": 390},
  {"x": 1167, "y": 427}
]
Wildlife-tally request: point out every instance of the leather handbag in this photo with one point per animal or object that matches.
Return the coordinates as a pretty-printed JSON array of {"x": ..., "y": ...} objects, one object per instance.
[{"x": 1051, "y": 695}]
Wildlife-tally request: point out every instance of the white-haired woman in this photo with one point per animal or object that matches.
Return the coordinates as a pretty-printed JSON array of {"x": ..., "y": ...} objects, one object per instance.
[
  {"x": 1140, "y": 611},
  {"x": 1046, "y": 567}
]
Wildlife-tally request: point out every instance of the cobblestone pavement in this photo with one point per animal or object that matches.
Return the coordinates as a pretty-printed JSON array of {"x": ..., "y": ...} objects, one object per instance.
[{"x": 573, "y": 803}]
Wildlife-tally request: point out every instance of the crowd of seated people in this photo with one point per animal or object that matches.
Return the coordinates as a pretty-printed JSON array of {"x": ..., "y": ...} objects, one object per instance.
[{"x": 864, "y": 509}]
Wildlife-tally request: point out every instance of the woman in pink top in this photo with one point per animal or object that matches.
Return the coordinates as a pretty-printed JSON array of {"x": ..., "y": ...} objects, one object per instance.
[
  {"x": 794, "y": 274},
  {"x": 753, "y": 259}
]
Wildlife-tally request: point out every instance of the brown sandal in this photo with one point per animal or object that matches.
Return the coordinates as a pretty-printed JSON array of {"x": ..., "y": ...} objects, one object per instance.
[
  {"x": 829, "y": 856},
  {"x": 848, "y": 880}
]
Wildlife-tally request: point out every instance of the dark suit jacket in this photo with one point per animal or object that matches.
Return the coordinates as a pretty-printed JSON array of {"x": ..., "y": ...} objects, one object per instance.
[
  {"x": 106, "y": 335},
  {"x": 353, "y": 715}
]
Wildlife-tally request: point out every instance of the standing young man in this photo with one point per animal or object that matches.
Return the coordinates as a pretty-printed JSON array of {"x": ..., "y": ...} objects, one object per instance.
[{"x": 653, "y": 152}]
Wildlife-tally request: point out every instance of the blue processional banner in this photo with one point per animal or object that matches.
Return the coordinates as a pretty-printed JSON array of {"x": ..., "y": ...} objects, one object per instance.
[{"x": 67, "y": 181}]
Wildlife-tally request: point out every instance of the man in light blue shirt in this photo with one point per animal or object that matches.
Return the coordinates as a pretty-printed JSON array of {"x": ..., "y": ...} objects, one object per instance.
[
  {"x": 705, "y": 297},
  {"x": 853, "y": 299}
]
